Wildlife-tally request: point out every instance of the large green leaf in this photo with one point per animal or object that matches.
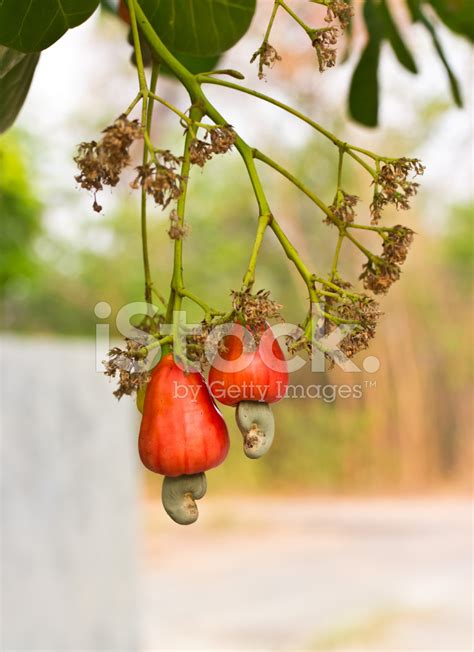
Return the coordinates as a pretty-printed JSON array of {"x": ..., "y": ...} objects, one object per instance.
[
  {"x": 33, "y": 25},
  {"x": 453, "y": 82},
  {"x": 458, "y": 15},
  {"x": 419, "y": 16},
  {"x": 8, "y": 59},
  {"x": 193, "y": 64},
  {"x": 201, "y": 28},
  {"x": 401, "y": 50},
  {"x": 15, "y": 80},
  {"x": 364, "y": 90}
]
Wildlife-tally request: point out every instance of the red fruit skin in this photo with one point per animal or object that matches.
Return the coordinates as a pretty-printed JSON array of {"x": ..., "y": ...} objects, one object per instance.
[
  {"x": 123, "y": 12},
  {"x": 179, "y": 436},
  {"x": 256, "y": 382}
]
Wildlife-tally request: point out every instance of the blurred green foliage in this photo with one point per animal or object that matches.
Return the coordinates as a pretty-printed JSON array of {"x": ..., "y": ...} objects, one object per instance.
[
  {"x": 458, "y": 244},
  {"x": 21, "y": 215}
]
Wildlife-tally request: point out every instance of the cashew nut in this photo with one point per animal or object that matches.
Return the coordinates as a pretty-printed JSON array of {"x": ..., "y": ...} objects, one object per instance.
[
  {"x": 257, "y": 425},
  {"x": 179, "y": 496}
]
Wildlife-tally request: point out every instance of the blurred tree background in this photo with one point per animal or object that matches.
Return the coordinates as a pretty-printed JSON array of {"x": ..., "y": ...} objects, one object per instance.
[{"x": 409, "y": 432}]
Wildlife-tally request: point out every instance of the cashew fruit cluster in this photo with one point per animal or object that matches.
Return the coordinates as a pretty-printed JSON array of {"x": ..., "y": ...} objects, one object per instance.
[{"x": 183, "y": 434}]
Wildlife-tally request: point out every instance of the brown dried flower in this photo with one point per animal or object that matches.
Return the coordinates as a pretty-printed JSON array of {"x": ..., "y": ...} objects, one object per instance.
[
  {"x": 397, "y": 243},
  {"x": 160, "y": 180},
  {"x": 393, "y": 187},
  {"x": 362, "y": 312},
  {"x": 323, "y": 39},
  {"x": 255, "y": 309},
  {"x": 267, "y": 56},
  {"x": 221, "y": 140},
  {"x": 344, "y": 207},
  {"x": 101, "y": 163},
  {"x": 366, "y": 312},
  {"x": 296, "y": 342},
  {"x": 379, "y": 276},
  {"x": 177, "y": 231},
  {"x": 200, "y": 152},
  {"x": 129, "y": 366},
  {"x": 339, "y": 10}
]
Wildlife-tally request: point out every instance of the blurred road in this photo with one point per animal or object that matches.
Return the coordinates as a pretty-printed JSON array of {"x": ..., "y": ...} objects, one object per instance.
[{"x": 304, "y": 574}]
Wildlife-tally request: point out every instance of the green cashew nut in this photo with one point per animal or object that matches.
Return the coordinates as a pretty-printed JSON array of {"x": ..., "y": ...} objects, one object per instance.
[
  {"x": 179, "y": 496},
  {"x": 257, "y": 425}
]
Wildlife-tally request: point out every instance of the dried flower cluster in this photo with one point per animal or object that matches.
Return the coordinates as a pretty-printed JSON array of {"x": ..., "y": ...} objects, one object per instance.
[
  {"x": 392, "y": 186},
  {"x": 339, "y": 10},
  {"x": 101, "y": 163},
  {"x": 364, "y": 312},
  {"x": 160, "y": 179},
  {"x": 129, "y": 366},
  {"x": 221, "y": 140},
  {"x": 255, "y": 309},
  {"x": 267, "y": 56},
  {"x": 378, "y": 275},
  {"x": 396, "y": 244},
  {"x": 177, "y": 231},
  {"x": 323, "y": 42},
  {"x": 344, "y": 207},
  {"x": 204, "y": 343}
]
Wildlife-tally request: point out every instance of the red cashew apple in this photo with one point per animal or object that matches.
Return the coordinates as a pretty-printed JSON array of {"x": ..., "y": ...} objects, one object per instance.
[
  {"x": 182, "y": 431},
  {"x": 249, "y": 375},
  {"x": 123, "y": 12},
  {"x": 250, "y": 378}
]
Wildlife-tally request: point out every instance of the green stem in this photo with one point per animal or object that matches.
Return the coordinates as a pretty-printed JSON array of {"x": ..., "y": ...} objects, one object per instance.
[
  {"x": 276, "y": 5},
  {"x": 202, "y": 104},
  {"x": 309, "y": 193},
  {"x": 335, "y": 260},
  {"x": 204, "y": 79},
  {"x": 198, "y": 301},
  {"x": 299, "y": 184},
  {"x": 184, "y": 76},
  {"x": 148, "y": 120},
  {"x": 177, "y": 282},
  {"x": 342, "y": 151},
  {"x": 182, "y": 115},
  {"x": 143, "y": 352},
  {"x": 330, "y": 284},
  {"x": 133, "y": 104},
  {"x": 296, "y": 18},
  {"x": 132, "y": 6},
  {"x": 249, "y": 278},
  {"x": 171, "y": 107},
  {"x": 266, "y": 98}
]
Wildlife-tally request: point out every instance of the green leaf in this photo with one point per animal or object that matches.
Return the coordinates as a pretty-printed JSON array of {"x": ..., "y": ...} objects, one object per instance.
[
  {"x": 458, "y": 15},
  {"x": 201, "y": 28},
  {"x": 401, "y": 50},
  {"x": 8, "y": 59},
  {"x": 193, "y": 64},
  {"x": 453, "y": 81},
  {"x": 15, "y": 81},
  {"x": 364, "y": 90},
  {"x": 109, "y": 7},
  {"x": 34, "y": 25}
]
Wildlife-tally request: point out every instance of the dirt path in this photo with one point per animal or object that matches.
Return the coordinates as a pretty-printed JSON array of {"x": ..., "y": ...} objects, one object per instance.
[{"x": 304, "y": 574}]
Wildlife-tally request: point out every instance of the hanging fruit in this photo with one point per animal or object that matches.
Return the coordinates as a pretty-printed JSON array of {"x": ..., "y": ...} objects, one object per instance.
[
  {"x": 250, "y": 376},
  {"x": 182, "y": 435}
]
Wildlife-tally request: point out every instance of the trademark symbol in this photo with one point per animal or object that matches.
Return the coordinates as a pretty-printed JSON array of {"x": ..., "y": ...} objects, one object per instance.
[{"x": 370, "y": 384}]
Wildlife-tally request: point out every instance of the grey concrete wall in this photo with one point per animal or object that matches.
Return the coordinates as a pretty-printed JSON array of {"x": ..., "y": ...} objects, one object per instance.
[{"x": 69, "y": 501}]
